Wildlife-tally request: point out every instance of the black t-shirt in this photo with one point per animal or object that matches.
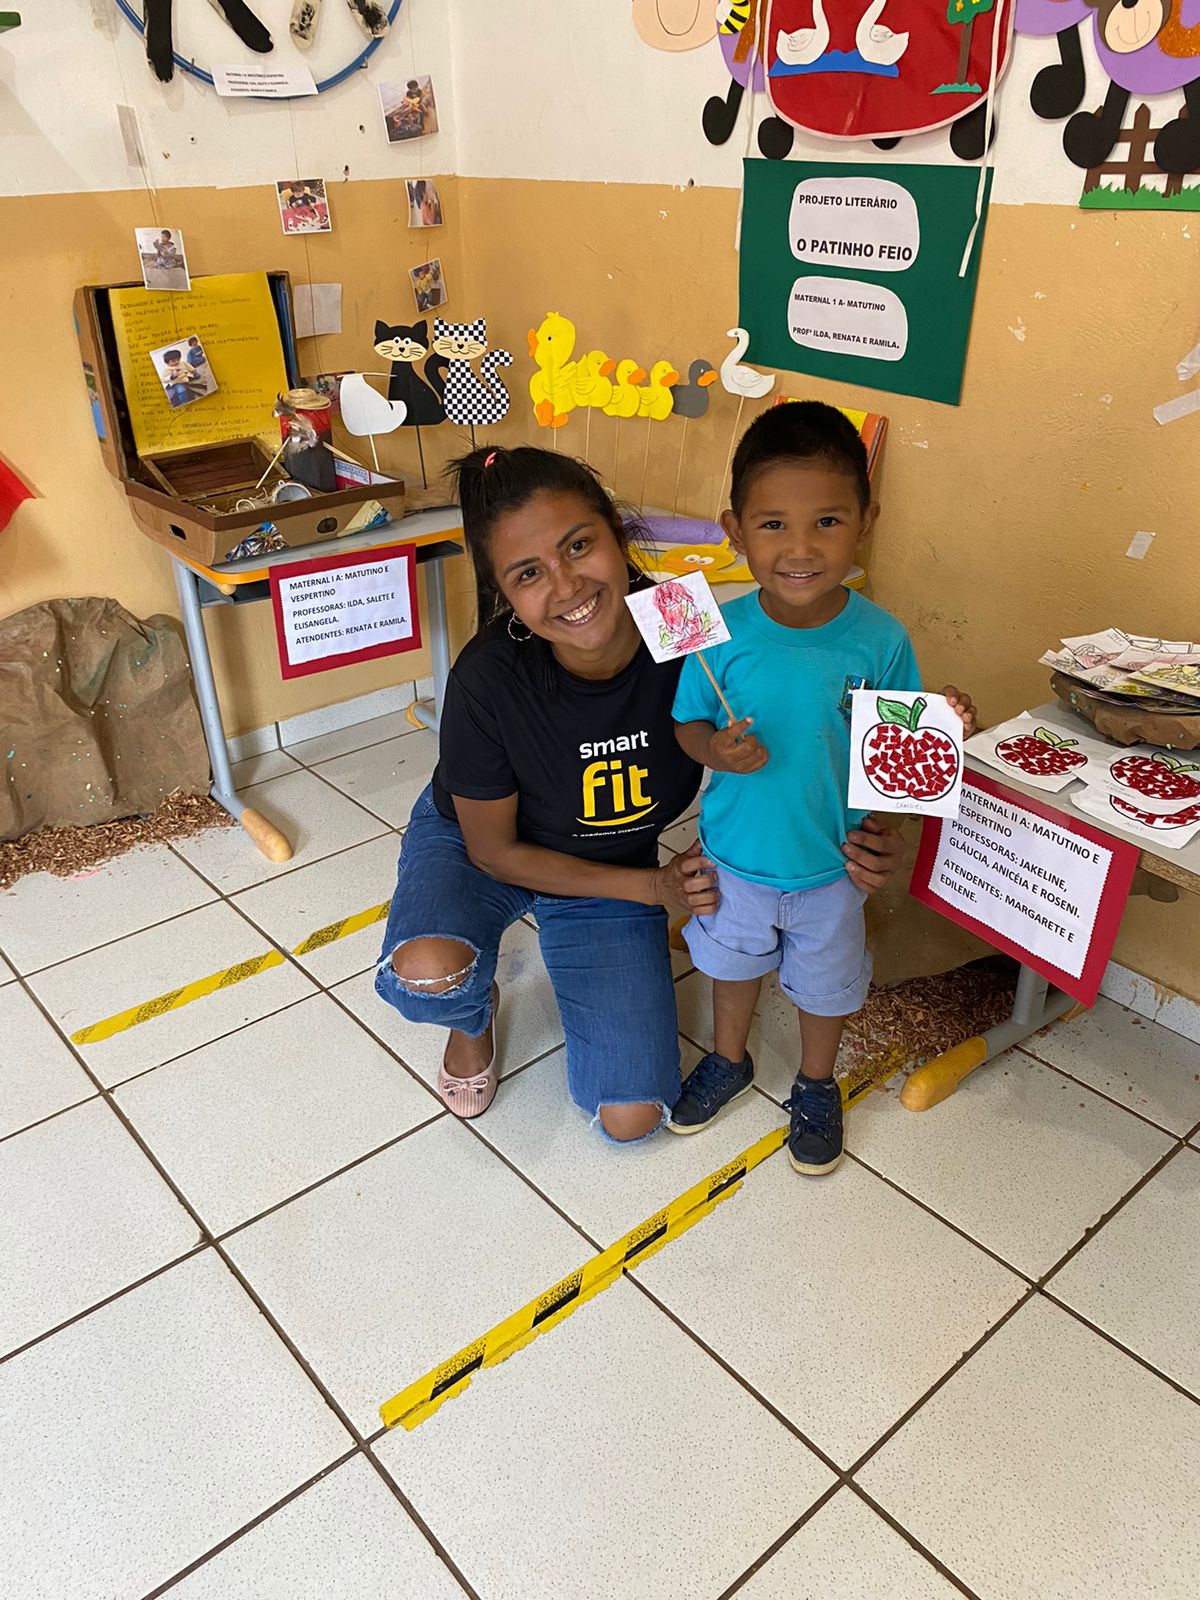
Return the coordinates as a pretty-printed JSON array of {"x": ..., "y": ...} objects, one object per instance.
[{"x": 596, "y": 765}]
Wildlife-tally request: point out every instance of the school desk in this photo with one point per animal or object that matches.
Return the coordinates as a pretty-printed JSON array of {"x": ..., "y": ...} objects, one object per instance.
[
  {"x": 437, "y": 536},
  {"x": 1161, "y": 874}
]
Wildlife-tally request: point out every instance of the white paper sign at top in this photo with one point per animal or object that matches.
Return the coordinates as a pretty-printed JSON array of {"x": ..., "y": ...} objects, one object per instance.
[
  {"x": 267, "y": 83},
  {"x": 678, "y": 616},
  {"x": 906, "y": 753},
  {"x": 846, "y": 222}
]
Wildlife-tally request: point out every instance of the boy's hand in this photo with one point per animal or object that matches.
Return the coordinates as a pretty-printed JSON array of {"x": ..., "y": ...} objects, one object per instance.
[
  {"x": 964, "y": 705},
  {"x": 732, "y": 749}
]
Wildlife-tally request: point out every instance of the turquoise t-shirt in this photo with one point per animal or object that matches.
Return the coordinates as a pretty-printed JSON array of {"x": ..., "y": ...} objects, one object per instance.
[{"x": 784, "y": 824}]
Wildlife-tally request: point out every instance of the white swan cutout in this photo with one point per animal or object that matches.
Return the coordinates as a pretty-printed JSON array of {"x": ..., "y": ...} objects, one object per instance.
[
  {"x": 365, "y": 410},
  {"x": 806, "y": 45},
  {"x": 875, "y": 41},
  {"x": 745, "y": 382}
]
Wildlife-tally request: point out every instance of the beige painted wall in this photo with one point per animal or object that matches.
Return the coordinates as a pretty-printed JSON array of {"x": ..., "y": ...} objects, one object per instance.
[
  {"x": 1005, "y": 520},
  {"x": 78, "y": 538}
]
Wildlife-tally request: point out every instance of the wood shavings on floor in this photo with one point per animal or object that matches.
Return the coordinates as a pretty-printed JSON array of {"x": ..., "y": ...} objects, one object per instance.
[
  {"x": 925, "y": 1016},
  {"x": 66, "y": 851}
]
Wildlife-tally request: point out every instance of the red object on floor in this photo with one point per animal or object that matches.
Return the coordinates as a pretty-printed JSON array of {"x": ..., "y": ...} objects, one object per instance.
[{"x": 12, "y": 492}]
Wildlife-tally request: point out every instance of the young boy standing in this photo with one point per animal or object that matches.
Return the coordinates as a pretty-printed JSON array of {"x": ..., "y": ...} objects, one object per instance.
[{"x": 774, "y": 816}]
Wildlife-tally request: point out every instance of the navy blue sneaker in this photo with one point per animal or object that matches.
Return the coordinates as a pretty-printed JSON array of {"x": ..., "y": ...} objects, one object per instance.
[
  {"x": 712, "y": 1084},
  {"x": 815, "y": 1138}
]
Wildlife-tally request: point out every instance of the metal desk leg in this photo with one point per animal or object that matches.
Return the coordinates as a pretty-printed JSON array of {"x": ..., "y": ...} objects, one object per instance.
[
  {"x": 1034, "y": 1005},
  {"x": 439, "y": 642},
  {"x": 265, "y": 834}
]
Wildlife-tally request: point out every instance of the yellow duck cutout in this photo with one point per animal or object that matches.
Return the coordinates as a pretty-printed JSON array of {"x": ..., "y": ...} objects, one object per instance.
[
  {"x": 593, "y": 379},
  {"x": 655, "y": 399},
  {"x": 626, "y": 398},
  {"x": 552, "y": 387},
  {"x": 707, "y": 558}
]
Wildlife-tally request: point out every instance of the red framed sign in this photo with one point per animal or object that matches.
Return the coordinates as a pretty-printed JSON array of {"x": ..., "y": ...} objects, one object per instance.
[
  {"x": 336, "y": 610},
  {"x": 1040, "y": 885}
]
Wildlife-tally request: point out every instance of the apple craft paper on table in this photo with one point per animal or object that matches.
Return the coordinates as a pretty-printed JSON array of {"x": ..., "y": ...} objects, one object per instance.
[
  {"x": 1165, "y": 830},
  {"x": 1038, "y": 753},
  {"x": 1145, "y": 782},
  {"x": 906, "y": 753}
]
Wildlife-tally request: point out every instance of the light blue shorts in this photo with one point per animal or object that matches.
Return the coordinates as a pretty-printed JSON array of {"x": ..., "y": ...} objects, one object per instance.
[{"x": 815, "y": 938}]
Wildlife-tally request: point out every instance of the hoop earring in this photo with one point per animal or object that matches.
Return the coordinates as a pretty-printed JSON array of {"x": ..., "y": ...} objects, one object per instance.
[{"x": 518, "y": 638}]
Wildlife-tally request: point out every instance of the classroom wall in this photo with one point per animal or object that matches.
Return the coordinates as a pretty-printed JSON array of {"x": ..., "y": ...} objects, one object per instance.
[{"x": 584, "y": 185}]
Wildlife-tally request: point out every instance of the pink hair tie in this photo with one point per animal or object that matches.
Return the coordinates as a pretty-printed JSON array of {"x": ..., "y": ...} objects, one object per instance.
[{"x": 489, "y": 458}]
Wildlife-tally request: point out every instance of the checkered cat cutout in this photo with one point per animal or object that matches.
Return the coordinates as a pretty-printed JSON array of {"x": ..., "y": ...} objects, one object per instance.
[{"x": 470, "y": 398}]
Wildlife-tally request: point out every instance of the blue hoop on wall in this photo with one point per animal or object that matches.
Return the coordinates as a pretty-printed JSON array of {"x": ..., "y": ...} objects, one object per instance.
[{"x": 193, "y": 71}]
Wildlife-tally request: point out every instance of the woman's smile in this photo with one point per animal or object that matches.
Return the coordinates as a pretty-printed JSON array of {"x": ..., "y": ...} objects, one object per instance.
[{"x": 581, "y": 615}]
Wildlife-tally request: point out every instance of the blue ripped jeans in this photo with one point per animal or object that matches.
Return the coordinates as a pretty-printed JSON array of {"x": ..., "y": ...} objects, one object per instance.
[{"x": 608, "y": 961}]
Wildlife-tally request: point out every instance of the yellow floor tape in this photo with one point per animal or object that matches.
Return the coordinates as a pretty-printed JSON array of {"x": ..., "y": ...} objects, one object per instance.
[
  {"x": 421, "y": 1399},
  {"x": 149, "y": 1009}
]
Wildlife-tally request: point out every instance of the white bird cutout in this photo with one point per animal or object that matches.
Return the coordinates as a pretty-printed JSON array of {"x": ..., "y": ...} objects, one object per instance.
[
  {"x": 806, "y": 45},
  {"x": 365, "y": 410},
  {"x": 875, "y": 41},
  {"x": 743, "y": 381}
]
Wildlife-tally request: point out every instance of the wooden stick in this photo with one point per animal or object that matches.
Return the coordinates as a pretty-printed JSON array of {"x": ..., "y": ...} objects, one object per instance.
[
  {"x": 421, "y": 453},
  {"x": 699, "y": 654},
  {"x": 271, "y": 463},
  {"x": 587, "y": 436},
  {"x": 616, "y": 456},
  {"x": 374, "y": 452},
  {"x": 645, "y": 465},
  {"x": 737, "y": 422},
  {"x": 679, "y": 470}
]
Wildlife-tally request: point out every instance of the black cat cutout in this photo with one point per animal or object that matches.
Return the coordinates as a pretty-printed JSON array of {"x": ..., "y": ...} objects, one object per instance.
[{"x": 404, "y": 347}]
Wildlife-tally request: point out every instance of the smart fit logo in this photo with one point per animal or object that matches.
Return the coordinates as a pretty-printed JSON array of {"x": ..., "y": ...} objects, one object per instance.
[{"x": 613, "y": 792}]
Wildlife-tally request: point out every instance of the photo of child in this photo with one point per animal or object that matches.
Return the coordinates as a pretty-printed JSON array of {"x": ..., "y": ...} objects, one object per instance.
[
  {"x": 424, "y": 203},
  {"x": 328, "y": 385},
  {"x": 183, "y": 371},
  {"x": 409, "y": 109},
  {"x": 164, "y": 263},
  {"x": 429, "y": 287},
  {"x": 303, "y": 205}
]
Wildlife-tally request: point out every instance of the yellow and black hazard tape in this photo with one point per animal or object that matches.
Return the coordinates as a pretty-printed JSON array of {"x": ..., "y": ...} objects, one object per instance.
[
  {"x": 421, "y": 1399},
  {"x": 161, "y": 1004},
  {"x": 339, "y": 930},
  {"x": 174, "y": 998}
]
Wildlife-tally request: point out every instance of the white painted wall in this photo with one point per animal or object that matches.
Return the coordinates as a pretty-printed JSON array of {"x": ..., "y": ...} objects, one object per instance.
[
  {"x": 568, "y": 90},
  {"x": 71, "y": 62},
  {"x": 559, "y": 89}
]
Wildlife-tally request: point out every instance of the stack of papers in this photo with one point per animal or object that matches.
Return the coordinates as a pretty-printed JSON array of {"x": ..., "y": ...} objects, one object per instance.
[{"x": 1127, "y": 666}]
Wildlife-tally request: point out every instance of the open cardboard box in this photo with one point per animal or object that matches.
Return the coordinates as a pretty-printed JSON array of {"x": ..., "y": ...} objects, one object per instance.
[{"x": 205, "y": 537}]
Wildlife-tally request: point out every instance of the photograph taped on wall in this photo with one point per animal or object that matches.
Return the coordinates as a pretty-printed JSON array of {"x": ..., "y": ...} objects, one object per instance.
[
  {"x": 303, "y": 205},
  {"x": 428, "y": 285},
  {"x": 424, "y": 203},
  {"x": 409, "y": 109},
  {"x": 163, "y": 259},
  {"x": 183, "y": 371}
]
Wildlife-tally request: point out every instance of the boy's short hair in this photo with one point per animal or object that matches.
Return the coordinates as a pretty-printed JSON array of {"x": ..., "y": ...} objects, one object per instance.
[
  {"x": 799, "y": 431},
  {"x": 172, "y": 355}
]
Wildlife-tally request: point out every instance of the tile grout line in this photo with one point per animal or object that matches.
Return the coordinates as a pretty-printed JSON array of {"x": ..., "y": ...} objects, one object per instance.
[
  {"x": 263, "y": 1516},
  {"x": 1125, "y": 1349},
  {"x": 1103, "y": 1094},
  {"x": 911, "y": 1539},
  {"x": 99, "y": 1305},
  {"x": 774, "y": 1548}
]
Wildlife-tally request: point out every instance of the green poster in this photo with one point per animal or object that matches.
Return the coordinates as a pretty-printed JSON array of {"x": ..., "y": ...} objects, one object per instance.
[{"x": 851, "y": 271}]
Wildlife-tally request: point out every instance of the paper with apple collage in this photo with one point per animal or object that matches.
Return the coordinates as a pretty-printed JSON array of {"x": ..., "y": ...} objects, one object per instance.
[{"x": 1151, "y": 793}]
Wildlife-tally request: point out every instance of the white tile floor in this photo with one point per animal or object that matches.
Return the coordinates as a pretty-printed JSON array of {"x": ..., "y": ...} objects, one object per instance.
[{"x": 966, "y": 1364}]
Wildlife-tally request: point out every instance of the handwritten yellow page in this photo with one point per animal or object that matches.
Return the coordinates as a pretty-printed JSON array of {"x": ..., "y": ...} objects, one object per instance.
[{"x": 233, "y": 316}]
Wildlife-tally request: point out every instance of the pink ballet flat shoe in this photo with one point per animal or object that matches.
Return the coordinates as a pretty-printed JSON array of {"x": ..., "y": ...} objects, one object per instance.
[{"x": 470, "y": 1097}]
